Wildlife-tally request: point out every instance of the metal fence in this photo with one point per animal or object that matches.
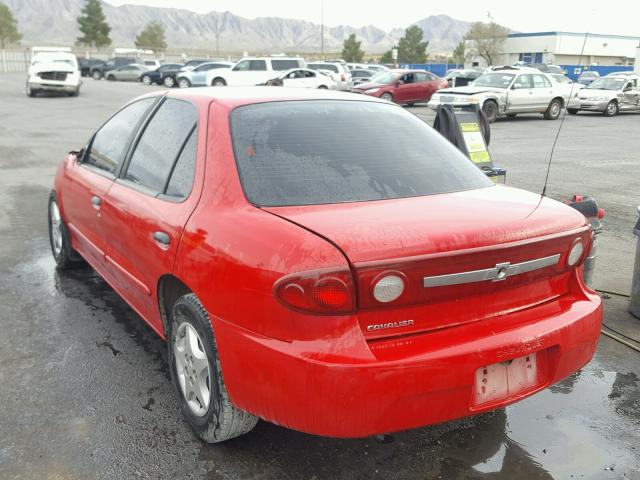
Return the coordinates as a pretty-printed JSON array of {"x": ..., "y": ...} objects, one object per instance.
[{"x": 439, "y": 69}]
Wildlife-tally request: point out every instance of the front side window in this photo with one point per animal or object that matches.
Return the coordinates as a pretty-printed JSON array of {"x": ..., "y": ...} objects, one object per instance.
[
  {"x": 330, "y": 151},
  {"x": 160, "y": 144},
  {"x": 243, "y": 66},
  {"x": 494, "y": 80},
  {"x": 109, "y": 144},
  {"x": 523, "y": 81}
]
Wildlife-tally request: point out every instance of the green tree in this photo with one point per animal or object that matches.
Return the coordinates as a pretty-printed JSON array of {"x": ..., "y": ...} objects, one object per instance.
[
  {"x": 487, "y": 40},
  {"x": 93, "y": 25},
  {"x": 8, "y": 27},
  {"x": 152, "y": 37},
  {"x": 411, "y": 48},
  {"x": 351, "y": 51},
  {"x": 459, "y": 53}
]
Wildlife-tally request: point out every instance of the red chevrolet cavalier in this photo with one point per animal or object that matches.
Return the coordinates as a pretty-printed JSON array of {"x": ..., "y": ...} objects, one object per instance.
[{"x": 324, "y": 261}]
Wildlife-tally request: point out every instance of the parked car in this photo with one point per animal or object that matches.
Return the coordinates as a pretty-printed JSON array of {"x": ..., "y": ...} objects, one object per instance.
[
  {"x": 461, "y": 77},
  {"x": 151, "y": 64},
  {"x": 99, "y": 71},
  {"x": 303, "y": 78},
  {"x": 338, "y": 267},
  {"x": 53, "y": 72},
  {"x": 339, "y": 72},
  {"x": 128, "y": 73},
  {"x": 626, "y": 73},
  {"x": 507, "y": 93},
  {"x": 377, "y": 68},
  {"x": 197, "y": 76},
  {"x": 252, "y": 71},
  {"x": 609, "y": 95},
  {"x": 86, "y": 64},
  {"x": 587, "y": 77},
  {"x": 545, "y": 67},
  {"x": 156, "y": 76},
  {"x": 359, "y": 76},
  {"x": 402, "y": 86}
]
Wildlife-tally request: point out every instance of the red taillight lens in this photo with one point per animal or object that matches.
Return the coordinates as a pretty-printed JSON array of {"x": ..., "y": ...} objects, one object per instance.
[
  {"x": 321, "y": 292},
  {"x": 343, "y": 78}
]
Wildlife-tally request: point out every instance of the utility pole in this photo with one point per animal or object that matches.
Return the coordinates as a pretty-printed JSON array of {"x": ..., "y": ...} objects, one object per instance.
[
  {"x": 217, "y": 38},
  {"x": 322, "y": 29}
]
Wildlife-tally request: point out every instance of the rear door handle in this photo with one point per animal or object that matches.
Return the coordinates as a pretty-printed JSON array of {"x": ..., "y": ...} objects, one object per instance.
[
  {"x": 162, "y": 238},
  {"x": 96, "y": 201}
]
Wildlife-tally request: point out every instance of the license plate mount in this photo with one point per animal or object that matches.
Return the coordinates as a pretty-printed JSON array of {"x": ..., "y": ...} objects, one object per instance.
[{"x": 504, "y": 380}]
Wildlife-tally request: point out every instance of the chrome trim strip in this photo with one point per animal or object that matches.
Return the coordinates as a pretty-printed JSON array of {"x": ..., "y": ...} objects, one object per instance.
[{"x": 498, "y": 273}]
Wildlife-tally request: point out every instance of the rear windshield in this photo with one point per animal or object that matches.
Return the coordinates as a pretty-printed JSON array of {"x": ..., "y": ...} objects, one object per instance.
[{"x": 331, "y": 151}]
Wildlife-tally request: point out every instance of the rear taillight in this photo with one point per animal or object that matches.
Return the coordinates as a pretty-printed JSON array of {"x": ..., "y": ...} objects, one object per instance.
[
  {"x": 343, "y": 77},
  {"x": 321, "y": 292}
]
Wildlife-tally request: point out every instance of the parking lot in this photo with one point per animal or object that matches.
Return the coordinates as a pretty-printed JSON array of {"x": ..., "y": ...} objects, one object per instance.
[{"x": 86, "y": 392}]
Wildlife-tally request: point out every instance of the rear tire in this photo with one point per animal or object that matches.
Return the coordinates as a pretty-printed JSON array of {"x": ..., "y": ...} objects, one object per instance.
[
  {"x": 553, "y": 110},
  {"x": 572, "y": 111},
  {"x": 63, "y": 254},
  {"x": 111, "y": 78},
  {"x": 219, "y": 82},
  {"x": 612, "y": 109},
  {"x": 146, "y": 79},
  {"x": 169, "y": 82},
  {"x": 196, "y": 373},
  {"x": 97, "y": 75},
  {"x": 323, "y": 87},
  {"x": 490, "y": 109}
]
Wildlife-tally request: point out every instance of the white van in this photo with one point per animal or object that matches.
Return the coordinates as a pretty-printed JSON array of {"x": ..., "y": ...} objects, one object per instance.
[
  {"x": 53, "y": 72},
  {"x": 252, "y": 71}
]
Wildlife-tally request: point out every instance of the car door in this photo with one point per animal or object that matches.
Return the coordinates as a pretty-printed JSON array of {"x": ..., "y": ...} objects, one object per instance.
[
  {"x": 404, "y": 91},
  {"x": 199, "y": 74},
  {"x": 519, "y": 98},
  {"x": 543, "y": 92},
  {"x": 295, "y": 78},
  {"x": 630, "y": 95},
  {"x": 93, "y": 175},
  {"x": 149, "y": 204},
  {"x": 426, "y": 85}
]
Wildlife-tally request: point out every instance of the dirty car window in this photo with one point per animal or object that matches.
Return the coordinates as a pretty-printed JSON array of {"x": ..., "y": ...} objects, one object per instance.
[{"x": 326, "y": 151}]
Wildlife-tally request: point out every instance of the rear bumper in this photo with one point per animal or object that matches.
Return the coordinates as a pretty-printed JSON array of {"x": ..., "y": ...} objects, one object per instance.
[{"x": 347, "y": 388}]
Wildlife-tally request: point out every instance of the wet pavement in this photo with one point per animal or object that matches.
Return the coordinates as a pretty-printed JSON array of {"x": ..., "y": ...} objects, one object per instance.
[{"x": 85, "y": 390}]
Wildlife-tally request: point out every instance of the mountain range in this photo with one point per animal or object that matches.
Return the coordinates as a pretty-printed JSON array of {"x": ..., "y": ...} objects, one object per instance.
[{"x": 54, "y": 21}]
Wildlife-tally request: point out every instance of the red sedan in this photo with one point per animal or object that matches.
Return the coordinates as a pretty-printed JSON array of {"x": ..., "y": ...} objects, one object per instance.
[
  {"x": 402, "y": 86},
  {"x": 324, "y": 261}
]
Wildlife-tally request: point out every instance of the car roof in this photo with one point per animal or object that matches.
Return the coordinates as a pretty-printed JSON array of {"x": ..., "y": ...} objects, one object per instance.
[{"x": 236, "y": 96}]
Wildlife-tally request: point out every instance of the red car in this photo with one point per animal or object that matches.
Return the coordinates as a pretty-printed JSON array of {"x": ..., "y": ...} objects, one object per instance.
[
  {"x": 324, "y": 261},
  {"x": 402, "y": 86}
]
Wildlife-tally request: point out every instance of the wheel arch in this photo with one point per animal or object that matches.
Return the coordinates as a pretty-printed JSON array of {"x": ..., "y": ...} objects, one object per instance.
[
  {"x": 170, "y": 288},
  {"x": 562, "y": 102}
]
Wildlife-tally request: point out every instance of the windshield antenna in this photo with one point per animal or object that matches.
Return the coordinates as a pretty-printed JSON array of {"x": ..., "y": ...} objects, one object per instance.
[{"x": 564, "y": 114}]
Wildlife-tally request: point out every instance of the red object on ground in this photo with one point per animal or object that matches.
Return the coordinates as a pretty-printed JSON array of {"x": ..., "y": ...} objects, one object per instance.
[{"x": 482, "y": 296}]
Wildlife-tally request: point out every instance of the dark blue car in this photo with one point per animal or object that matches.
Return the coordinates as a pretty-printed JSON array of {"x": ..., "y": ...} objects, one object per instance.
[{"x": 155, "y": 76}]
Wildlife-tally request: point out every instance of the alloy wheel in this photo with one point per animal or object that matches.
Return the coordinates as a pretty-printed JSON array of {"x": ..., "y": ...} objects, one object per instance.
[
  {"x": 192, "y": 367},
  {"x": 56, "y": 228}
]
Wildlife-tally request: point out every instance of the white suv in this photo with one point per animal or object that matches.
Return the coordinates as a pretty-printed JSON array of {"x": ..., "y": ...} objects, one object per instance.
[
  {"x": 54, "y": 72},
  {"x": 252, "y": 71},
  {"x": 339, "y": 72}
]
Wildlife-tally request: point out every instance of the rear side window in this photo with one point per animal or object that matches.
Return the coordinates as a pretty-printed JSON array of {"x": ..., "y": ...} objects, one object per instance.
[
  {"x": 331, "y": 151},
  {"x": 181, "y": 179},
  {"x": 324, "y": 66},
  {"x": 540, "y": 81},
  {"x": 284, "y": 64},
  {"x": 257, "y": 65},
  {"x": 109, "y": 145},
  {"x": 161, "y": 143}
]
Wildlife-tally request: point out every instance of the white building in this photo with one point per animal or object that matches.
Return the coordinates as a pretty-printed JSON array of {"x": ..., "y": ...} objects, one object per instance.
[{"x": 564, "y": 48}]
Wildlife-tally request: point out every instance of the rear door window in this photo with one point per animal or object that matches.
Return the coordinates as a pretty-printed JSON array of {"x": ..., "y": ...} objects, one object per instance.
[
  {"x": 161, "y": 143},
  {"x": 257, "y": 65},
  {"x": 284, "y": 64},
  {"x": 330, "y": 151},
  {"x": 110, "y": 143},
  {"x": 540, "y": 81}
]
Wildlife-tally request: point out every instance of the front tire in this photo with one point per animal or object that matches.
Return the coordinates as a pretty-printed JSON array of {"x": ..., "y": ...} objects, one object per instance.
[
  {"x": 111, "y": 78},
  {"x": 146, "y": 79},
  {"x": 97, "y": 75},
  {"x": 30, "y": 91},
  {"x": 553, "y": 110},
  {"x": 490, "y": 109},
  {"x": 63, "y": 254},
  {"x": 169, "y": 82},
  {"x": 184, "y": 83},
  {"x": 197, "y": 375},
  {"x": 572, "y": 111},
  {"x": 387, "y": 97},
  {"x": 612, "y": 109},
  {"x": 219, "y": 82}
]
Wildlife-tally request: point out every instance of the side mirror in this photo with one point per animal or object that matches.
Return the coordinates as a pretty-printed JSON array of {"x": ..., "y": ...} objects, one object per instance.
[{"x": 397, "y": 83}]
